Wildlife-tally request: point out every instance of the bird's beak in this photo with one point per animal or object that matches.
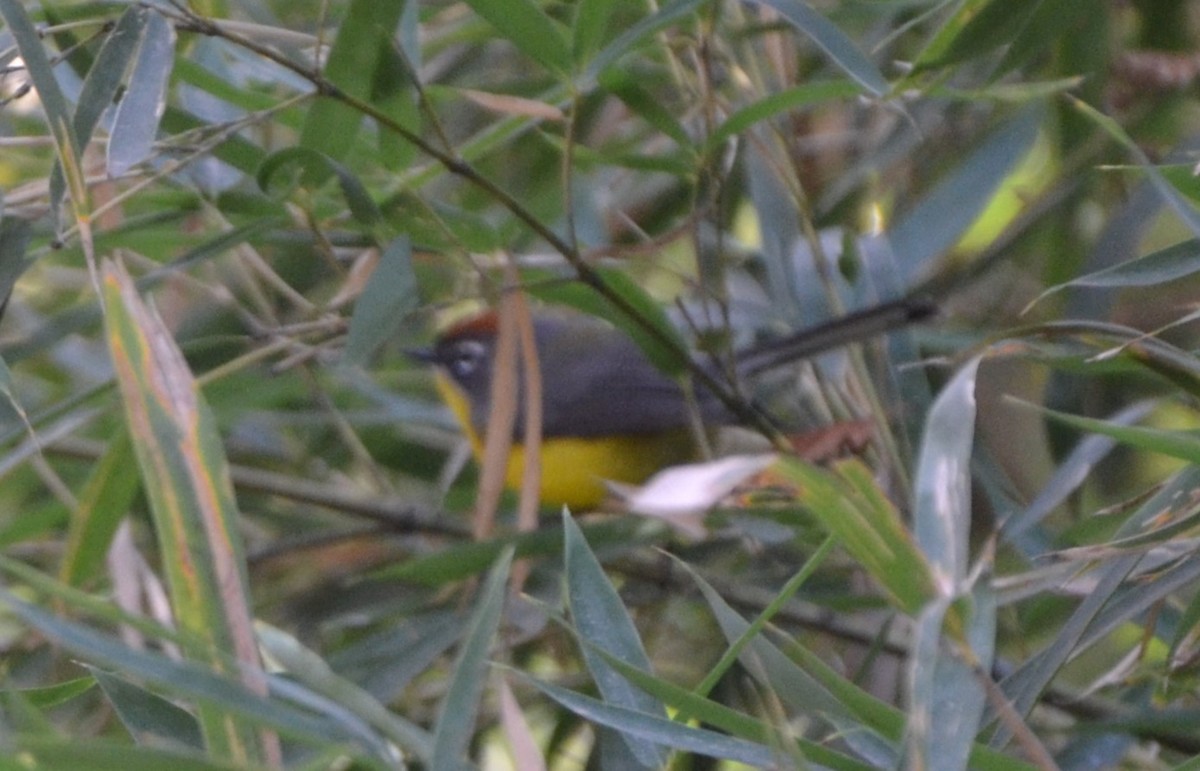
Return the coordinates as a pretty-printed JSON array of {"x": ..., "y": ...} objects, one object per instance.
[{"x": 424, "y": 355}]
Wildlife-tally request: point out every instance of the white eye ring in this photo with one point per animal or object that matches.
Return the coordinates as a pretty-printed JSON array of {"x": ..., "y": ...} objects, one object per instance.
[{"x": 465, "y": 358}]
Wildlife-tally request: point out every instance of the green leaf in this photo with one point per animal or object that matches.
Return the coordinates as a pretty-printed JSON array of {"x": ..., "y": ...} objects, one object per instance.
[
  {"x": 54, "y": 754},
  {"x": 871, "y": 728},
  {"x": 15, "y": 234},
  {"x": 363, "y": 39},
  {"x": 389, "y": 296},
  {"x": 149, "y": 718},
  {"x": 654, "y": 729},
  {"x": 636, "y": 34},
  {"x": 37, "y": 64},
  {"x": 778, "y": 103},
  {"x": 1050, "y": 22},
  {"x": 589, "y": 28},
  {"x": 240, "y": 153},
  {"x": 393, "y": 93},
  {"x": 1177, "y": 202},
  {"x": 314, "y": 168},
  {"x": 524, "y": 24},
  {"x": 981, "y": 30},
  {"x": 1025, "y": 685},
  {"x": 460, "y": 706},
  {"x": 625, "y": 87},
  {"x": 850, "y": 505},
  {"x": 600, "y": 619},
  {"x": 182, "y": 678},
  {"x": 1182, "y": 444},
  {"x": 47, "y": 697},
  {"x": 1071, "y": 473},
  {"x": 1170, "y": 264},
  {"x": 104, "y": 502},
  {"x": 947, "y": 699},
  {"x": 730, "y": 720},
  {"x": 135, "y": 124},
  {"x": 312, "y": 671},
  {"x": 839, "y": 48},
  {"x": 100, "y": 86},
  {"x": 186, "y": 479}
]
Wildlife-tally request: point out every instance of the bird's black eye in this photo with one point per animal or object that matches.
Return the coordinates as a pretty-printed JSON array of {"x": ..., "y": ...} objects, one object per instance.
[{"x": 465, "y": 358}]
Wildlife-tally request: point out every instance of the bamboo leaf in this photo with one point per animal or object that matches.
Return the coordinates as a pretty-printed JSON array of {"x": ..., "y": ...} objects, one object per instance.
[
  {"x": 135, "y": 124},
  {"x": 332, "y": 127},
  {"x": 942, "y": 509},
  {"x": 939, "y": 219},
  {"x": 657, "y": 729},
  {"x": 149, "y": 718},
  {"x": 102, "y": 505},
  {"x": 187, "y": 482},
  {"x": 41, "y": 74},
  {"x": 839, "y": 48},
  {"x": 389, "y": 296},
  {"x": 524, "y": 24},
  {"x": 849, "y": 504},
  {"x": 601, "y": 620},
  {"x": 460, "y": 706}
]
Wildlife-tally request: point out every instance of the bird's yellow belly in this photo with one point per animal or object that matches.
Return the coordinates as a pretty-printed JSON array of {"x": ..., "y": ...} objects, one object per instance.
[{"x": 574, "y": 469}]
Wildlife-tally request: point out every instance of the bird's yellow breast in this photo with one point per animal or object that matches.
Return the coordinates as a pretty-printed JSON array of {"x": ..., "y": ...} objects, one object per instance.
[{"x": 574, "y": 468}]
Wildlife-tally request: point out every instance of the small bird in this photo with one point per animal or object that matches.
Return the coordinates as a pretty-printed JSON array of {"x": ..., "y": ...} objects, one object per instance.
[{"x": 609, "y": 414}]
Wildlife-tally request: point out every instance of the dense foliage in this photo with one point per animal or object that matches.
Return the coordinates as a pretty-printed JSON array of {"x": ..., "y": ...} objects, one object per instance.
[{"x": 239, "y": 530}]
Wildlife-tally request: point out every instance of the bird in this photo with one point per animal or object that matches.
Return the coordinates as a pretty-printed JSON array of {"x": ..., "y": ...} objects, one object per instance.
[{"x": 608, "y": 413}]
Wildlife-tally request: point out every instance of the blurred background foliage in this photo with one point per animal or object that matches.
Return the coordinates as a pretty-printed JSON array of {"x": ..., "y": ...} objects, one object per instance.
[{"x": 276, "y": 198}]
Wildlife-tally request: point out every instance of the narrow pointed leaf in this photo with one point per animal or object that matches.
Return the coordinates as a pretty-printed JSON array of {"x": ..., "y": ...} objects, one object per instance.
[
  {"x": 942, "y": 510},
  {"x": 135, "y": 125},
  {"x": 1178, "y": 203},
  {"x": 184, "y": 679},
  {"x": 849, "y": 504},
  {"x": 41, "y": 74},
  {"x": 658, "y": 730},
  {"x": 1182, "y": 444},
  {"x": 312, "y": 671},
  {"x": 600, "y": 618},
  {"x": 149, "y": 718},
  {"x": 186, "y": 479},
  {"x": 100, "y": 86},
  {"x": 366, "y": 32},
  {"x": 947, "y": 700},
  {"x": 836, "y": 45},
  {"x": 635, "y": 35},
  {"x": 460, "y": 707},
  {"x": 51, "y": 753},
  {"x": 524, "y": 24},
  {"x": 389, "y": 296},
  {"x": 106, "y": 498},
  {"x": 939, "y": 219},
  {"x": 1170, "y": 264}
]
